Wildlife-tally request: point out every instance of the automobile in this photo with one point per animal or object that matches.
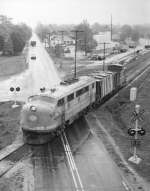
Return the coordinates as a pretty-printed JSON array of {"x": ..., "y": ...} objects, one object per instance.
[
  {"x": 132, "y": 46},
  {"x": 147, "y": 46},
  {"x": 33, "y": 57},
  {"x": 97, "y": 57},
  {"x": 33, "y": 43},
  {"x": 123, "y": 50},
  {"x": 67, "y": 50}
]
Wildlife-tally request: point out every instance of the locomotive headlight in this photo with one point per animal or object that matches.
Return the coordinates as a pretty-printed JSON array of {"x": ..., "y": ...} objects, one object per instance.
[
  {"x": 32, "y": 108},
  {"x": 32, "y": 118}
]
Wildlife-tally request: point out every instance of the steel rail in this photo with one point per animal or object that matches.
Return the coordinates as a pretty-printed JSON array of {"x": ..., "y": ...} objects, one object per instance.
[{"x": 72, "y": 165}]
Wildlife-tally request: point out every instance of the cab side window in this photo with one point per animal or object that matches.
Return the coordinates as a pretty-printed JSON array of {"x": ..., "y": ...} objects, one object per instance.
[
  {"x": 70, "y": 97},
  {"x": 60, "y": 102}
]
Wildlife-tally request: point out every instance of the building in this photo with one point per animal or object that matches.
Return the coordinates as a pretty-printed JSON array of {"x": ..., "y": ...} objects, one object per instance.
[{"x": 104, "y": 37}]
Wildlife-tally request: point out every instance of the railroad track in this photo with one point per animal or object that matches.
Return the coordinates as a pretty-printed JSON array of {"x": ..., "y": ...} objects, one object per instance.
[{"x": 13, "y": 158}]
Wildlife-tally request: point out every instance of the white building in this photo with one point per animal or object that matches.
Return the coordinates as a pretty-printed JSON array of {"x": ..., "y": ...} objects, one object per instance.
[{"x": 104, "y": 37}]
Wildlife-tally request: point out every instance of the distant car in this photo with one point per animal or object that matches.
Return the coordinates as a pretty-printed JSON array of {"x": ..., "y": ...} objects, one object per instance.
[
  {"x": 97, "y": 57},
  {"x": 147, "y": 46},
  {"x": 33, "y": 57},
  {"x": 123, "y": 50},
  {"x": 33, "y": 43},
  {"x": 67, "y": 50},
  {"x": 94, "y": 57},
  {"x": 132, "y": 46}
]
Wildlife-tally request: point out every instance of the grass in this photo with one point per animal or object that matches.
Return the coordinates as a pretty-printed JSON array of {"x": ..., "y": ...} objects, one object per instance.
[
  {"x": 9, "y": 118},
  {"x": 116, "y": 117},
  {"x": 12, "y": 65},
  {"x": 9, "y": 123}
]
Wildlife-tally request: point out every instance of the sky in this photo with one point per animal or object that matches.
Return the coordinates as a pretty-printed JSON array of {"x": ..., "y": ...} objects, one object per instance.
[{"x": 75, "y": 11}]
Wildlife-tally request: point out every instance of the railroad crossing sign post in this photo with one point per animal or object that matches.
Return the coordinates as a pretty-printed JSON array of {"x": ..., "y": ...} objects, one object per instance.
[
  {"x": 15, "y": 90},
  {"x": 137, "y": 116}
]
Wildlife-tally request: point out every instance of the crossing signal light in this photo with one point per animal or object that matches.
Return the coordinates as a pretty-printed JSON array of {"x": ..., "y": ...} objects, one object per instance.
[
  {"x": 12, "y": 89},
  {"x": 18, "y": 89},
  {"x": 142, "y": 132},
  {"x": 131, "y": 132}
]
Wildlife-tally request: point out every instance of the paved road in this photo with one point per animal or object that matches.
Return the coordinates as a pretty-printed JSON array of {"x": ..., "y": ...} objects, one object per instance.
[{"x": 41, "y": 72}]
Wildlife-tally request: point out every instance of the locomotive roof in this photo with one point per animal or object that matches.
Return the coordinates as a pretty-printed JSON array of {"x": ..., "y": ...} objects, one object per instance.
[{"x": 63, "y": 90}]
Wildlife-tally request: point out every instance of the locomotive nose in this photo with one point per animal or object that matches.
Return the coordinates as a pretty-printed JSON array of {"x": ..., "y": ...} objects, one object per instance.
[{"x": 36, "y": 115}]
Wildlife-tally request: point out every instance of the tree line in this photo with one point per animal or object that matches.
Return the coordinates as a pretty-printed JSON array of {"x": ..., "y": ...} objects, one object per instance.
[{"x": 13, "y": 37}]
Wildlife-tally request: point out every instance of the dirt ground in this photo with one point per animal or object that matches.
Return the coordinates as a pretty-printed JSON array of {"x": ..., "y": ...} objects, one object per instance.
[{"x": 9, "y": 123}]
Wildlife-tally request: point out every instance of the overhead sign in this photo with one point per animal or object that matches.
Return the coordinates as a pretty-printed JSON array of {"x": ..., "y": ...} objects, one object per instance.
[{"x": 133, "y": 93}]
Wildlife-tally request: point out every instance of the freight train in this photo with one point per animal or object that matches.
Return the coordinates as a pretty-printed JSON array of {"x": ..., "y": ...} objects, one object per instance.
[{"x": 49, "y": 112}]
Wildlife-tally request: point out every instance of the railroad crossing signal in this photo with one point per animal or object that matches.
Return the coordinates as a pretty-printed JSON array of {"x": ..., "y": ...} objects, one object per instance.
[
  {"x": 135, "y": 143},
  {"x": 17, "y": 89},
  {"x": 137, "y": 116},
  {"x": 132, "y": 131}
]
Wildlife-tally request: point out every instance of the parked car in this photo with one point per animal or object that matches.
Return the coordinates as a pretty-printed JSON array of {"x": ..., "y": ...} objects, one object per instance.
[
  {"x": 132, "y": 46},
  {"x": 33, "y": 57},
  {"x": 147, "y": 46},
  {"x": 123, "y": 50},
  {"x": 97, "y": 57},
  {"x": 66, "y": 50}
]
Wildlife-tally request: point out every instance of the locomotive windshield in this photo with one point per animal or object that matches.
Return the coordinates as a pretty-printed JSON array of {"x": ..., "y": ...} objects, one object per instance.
[{"x": 42, "y": 98}]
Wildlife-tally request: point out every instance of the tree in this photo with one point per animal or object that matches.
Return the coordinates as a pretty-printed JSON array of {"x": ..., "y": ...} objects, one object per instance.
[
  {"x": 8, "y": 47},
  {"x": 12, "y": 37},
  {"x": 1, "y": 43},
  {"x": 86, "y": 41},
  {"x": 135, "y": 35},
  {"x": 126, "y": 32},
  {"x": 18, "y": 42}
]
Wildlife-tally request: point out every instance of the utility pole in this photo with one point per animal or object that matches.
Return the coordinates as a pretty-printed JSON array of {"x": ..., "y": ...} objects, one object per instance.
[
  {"x": 62, "y": 36},
  {"x": 85, "y": 41},
  {"x": 111, "y": 27},
  {"x": 49, "y": 42},
  {"x": 104, "y": 43},
  {"x": 76, "y": 32}
]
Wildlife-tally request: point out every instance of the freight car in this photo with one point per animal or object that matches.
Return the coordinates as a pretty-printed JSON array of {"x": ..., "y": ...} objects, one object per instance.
[{"x": 47, "y": 113}]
